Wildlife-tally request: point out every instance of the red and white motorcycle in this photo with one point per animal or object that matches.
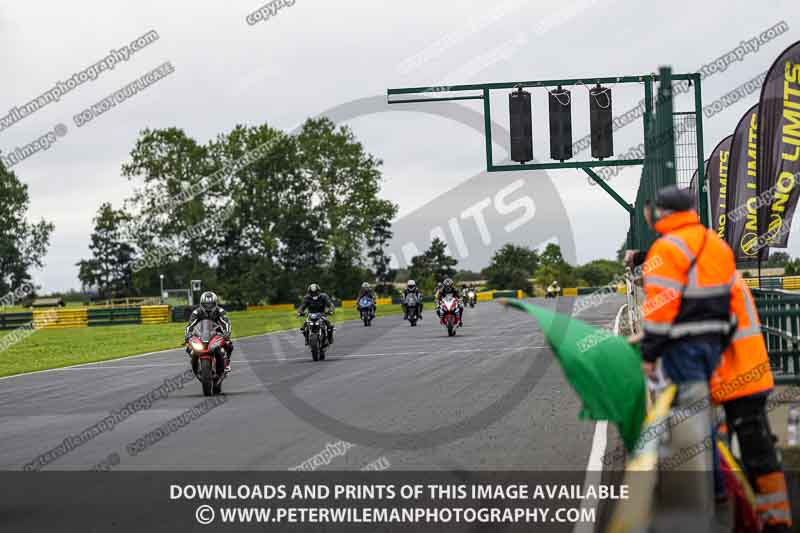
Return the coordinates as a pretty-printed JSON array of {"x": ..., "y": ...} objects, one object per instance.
[
  {"x": 207, "y": 352},
  {"x": 450, "y": 314}
]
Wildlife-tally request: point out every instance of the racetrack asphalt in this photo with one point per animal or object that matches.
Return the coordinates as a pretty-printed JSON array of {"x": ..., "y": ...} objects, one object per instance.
[{"x": 390, "y": 396}]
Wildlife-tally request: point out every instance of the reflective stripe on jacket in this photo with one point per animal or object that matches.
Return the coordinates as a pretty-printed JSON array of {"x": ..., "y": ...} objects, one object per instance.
[
  {"x": 687, "y": 284},
  {"x": 745, "y": 368}
]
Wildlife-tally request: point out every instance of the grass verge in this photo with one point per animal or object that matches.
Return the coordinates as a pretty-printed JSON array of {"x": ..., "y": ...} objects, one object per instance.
[{"x": 57, "y": 348}]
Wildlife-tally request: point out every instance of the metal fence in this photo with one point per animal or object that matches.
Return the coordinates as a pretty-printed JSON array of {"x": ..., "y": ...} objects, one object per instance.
[{"x": 780, "y": 321}]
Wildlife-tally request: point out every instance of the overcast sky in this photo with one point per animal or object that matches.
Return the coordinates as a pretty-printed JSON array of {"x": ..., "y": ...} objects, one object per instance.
[{"x": 315, "y": 55}]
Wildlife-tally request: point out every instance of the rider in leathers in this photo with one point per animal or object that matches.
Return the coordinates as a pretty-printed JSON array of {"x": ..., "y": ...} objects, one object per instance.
[
  {"x": 367, "y": 291},
  {"x": 209, "y": 309},
  {"x": 449, "y": 288},
  {"x": 411, "y": 288},
  {"x": 316, "y": 301}
]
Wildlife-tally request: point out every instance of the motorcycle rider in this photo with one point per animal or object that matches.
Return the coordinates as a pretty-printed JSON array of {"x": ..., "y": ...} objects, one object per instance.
[
  {"x": 209, "y": 309},
  {"x": 554, "y": 288},
  {"x": 317, "y": 301},
  {"x": 411, "y": 288},
  {"x": 367, "y": 291},
  {"x": 449, "y": 288},
  {"x": 437, "y": 290}
]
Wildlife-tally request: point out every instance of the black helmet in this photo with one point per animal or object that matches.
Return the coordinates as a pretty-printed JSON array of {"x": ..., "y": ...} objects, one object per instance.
[
  {"x": 313, "y": 290},
  {"x": 673, "y": 198},
  {"x": 448, "y": 282},
  {"x": 208, "y": 301}
]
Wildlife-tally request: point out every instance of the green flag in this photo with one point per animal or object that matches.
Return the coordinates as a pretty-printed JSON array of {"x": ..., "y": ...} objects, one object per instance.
[{"x": 603, "y": 369}]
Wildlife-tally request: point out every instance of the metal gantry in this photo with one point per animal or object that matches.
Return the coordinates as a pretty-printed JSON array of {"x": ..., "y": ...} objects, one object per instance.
[{"x": 659, "y": 160}]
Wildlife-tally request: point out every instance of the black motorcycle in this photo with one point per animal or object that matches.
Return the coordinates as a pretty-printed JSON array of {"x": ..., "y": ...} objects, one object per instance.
[
  {"x": 412, "y": 307},
  {"x": 316, "y": 330}
]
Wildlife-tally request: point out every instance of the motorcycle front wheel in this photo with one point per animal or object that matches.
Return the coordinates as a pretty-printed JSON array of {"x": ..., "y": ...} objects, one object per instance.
[
  {"x": 313, "y": 342},
  {"x": 205, "y": 377}
]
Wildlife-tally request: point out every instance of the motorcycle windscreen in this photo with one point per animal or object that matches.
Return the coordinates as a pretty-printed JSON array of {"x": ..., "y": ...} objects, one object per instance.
[{"x": 205, "y": 330}]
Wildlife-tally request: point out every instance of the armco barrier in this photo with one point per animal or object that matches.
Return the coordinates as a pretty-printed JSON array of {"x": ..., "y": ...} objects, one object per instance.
[
  {"x": 581, "y": 291},
  {"x": 154, "y": 314},
  {"x": 485, "y": 296},
  {"x": 64, "y": 318},
  {"x": 273, "y": 307},
  {"x": 378, "y": 301},
  {"x": 181, "y": 314},
  {"x": 15, "y": 320},
  {"x": 789, "y": 283},
  {"x": 114, "y": 316},
  {"x": 504, "y": 294}
]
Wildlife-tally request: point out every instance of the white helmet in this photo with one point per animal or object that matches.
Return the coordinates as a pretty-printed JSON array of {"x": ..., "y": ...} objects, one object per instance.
[{"x": 412, "y": 284}]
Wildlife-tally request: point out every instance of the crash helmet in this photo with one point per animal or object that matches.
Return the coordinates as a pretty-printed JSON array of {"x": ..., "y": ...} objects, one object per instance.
[
  {"x": 412, "y": 284},
  {"x": 313, "y": 290},
  {"x": 365, "y": 285},
  {"x": 448, "y": 282},
  {"x": 208, "y": 301}
]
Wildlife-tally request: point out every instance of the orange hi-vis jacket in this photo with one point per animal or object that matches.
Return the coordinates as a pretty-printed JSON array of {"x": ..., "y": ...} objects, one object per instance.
[
  {"x": 745, "y": 368},
  {"x": 688, "y": 275}
]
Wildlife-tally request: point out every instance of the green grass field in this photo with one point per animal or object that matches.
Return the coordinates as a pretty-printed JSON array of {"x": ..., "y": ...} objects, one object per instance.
[{"x": 56, "y": 348}]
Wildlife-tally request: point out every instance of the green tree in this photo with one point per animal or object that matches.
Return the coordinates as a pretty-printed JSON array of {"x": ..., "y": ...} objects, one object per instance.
[
  {"x": 345, "y": 182},
  {"x": 23, "y": 244},
  {"x": 377, "y": 243},
  {"x": 778, "y": 259},
  {"x": 468, "y": 276},
  {"x": 269, "y": 249},
  {"x": 442, "y": 265},
  {"x": 792, "y": 268},
  {"x": 421, "y": 271},
  {"x": 552, "y": 267},
  {"x": 111, "y": 267},
  {"x": 511, "y": 266},
  {"x": 598, "y": 272},
  {"x": 272, "y": 212},
  {"x": 171, "y": 213}
]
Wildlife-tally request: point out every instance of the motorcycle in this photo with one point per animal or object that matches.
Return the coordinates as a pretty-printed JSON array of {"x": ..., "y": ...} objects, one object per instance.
[
  {"x": 207, "y": 353},
  {"x": 412, "y": 307},
  {"x": 472, "y": 298},
  {"x": 317, "y": 332},
  {"x": 367, "y": 310},
  {"x": 449, "y": 314}
]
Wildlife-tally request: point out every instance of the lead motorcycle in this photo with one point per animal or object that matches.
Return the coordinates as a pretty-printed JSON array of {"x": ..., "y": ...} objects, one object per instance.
[
  {"x": 411, "y": 301},
  {"x": 317, "y": 332},
  {"x": 450, "y": 314},
  {"x": 206, "y": 347},
  {"x": 366, "y": 307}
]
